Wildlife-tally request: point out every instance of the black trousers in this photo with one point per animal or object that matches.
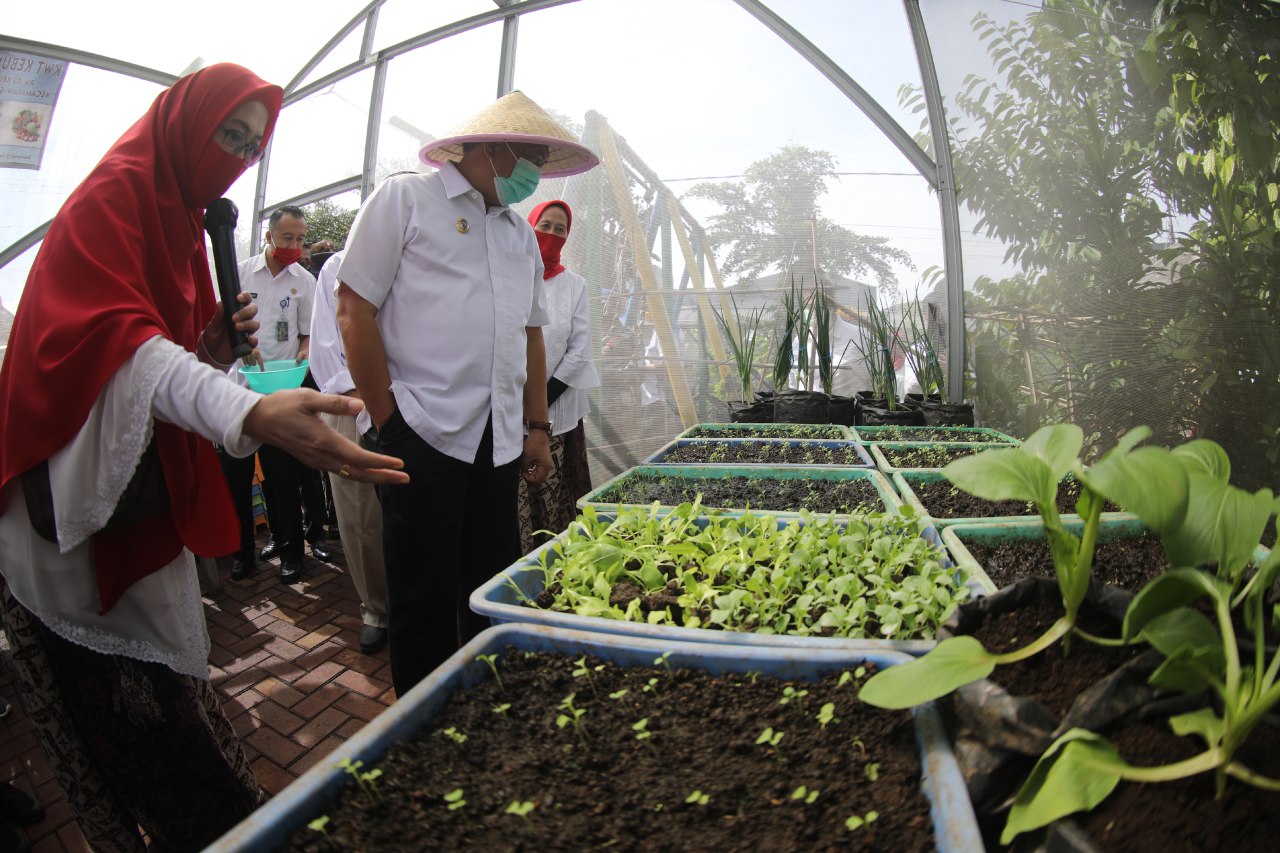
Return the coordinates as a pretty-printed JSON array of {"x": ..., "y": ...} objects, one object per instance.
[
  {"x": 446, "y": 532},
  {"x": 280, "y": 491}
]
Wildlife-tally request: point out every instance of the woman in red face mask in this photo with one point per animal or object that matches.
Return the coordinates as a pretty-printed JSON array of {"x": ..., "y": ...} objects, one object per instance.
[
  {"x": 571, "y": 372},
  {"x": 110, "y": 399}
]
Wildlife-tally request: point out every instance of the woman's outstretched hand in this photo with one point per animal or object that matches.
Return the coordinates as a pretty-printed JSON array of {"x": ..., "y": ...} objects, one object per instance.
[{"x": 288, "y": 420}]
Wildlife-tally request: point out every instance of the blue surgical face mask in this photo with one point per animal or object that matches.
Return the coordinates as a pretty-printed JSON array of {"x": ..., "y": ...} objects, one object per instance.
[{"x": 522, "y": 183}]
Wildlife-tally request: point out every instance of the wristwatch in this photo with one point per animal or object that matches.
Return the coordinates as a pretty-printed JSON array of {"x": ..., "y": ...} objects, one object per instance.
[{"x": 545, "y": 426}]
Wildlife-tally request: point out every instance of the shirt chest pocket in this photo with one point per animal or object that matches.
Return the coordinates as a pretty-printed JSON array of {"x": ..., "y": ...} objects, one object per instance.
[{"x": 514, "y": 279}]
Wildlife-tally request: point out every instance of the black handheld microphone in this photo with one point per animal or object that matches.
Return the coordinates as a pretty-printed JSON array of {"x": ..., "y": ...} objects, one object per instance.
[{"x": 220, "y": 221}]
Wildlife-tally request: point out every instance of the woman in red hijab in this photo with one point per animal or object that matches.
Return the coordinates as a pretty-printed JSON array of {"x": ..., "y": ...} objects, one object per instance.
[
  {"x": 110, "y": 397},
  {"x": 570, "y": 371}
]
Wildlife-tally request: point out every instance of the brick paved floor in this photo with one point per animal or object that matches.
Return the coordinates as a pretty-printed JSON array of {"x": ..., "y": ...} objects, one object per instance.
[{"x": 287, "y": 664}]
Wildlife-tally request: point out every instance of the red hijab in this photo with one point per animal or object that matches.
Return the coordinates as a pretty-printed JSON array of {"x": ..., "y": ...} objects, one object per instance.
[
  {"x": 550, "y": 244},
  {"x": 123, "y": 261}
]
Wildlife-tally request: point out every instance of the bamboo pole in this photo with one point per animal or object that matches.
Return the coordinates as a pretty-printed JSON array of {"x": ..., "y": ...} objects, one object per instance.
[
  {"x": 644, "y": 268},
  {"x": 709, "y": 321}
]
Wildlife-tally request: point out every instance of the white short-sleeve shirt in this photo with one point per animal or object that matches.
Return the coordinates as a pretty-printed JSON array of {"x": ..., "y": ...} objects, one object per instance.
[
  {"x": 455, "y": 284},
  {"x": 284, "y": 307}
]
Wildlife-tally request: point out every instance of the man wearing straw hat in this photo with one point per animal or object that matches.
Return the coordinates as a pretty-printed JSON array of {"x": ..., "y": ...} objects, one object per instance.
[{"x": 440, "y": 306}]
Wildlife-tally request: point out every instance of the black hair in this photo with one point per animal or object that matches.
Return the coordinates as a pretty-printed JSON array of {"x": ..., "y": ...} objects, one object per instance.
[{"x": 286, "y": 210}]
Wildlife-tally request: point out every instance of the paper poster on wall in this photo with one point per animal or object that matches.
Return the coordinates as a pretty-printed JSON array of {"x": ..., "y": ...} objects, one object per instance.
[{"x": 29, "y": 87}]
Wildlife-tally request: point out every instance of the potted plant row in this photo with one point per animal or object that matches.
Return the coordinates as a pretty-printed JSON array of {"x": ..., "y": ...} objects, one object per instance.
[
  {"x": 933, "y": 434},
  {"x": 819, "y": 432},
  {"x": 1084, "y": 711},
  {"x": 877, "y": 580},
  {"x": 533, "y": 738}
]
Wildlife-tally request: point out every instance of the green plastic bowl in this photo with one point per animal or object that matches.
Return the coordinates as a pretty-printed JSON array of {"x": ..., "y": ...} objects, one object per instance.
[{"x": 279, "y": 375}]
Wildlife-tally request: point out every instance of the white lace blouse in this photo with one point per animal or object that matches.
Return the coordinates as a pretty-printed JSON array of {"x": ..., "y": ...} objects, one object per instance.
[{"x": 159, "y": 619}]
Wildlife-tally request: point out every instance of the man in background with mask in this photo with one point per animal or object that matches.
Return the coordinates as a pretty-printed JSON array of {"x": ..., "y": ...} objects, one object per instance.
[
  {"x": 284, "y": 292},
  {"x": 440, "y": 307}
]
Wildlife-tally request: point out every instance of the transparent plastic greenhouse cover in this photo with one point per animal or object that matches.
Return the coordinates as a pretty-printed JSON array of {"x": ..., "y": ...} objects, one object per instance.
[{"x": 1115, "y": 166}]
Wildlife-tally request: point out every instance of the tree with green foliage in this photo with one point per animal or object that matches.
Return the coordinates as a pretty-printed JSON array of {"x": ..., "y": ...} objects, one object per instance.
[
  {"x": 326, "y": 220},
  {"x": 1127, "y": 154},
  {"x": 771, "y": 219}
]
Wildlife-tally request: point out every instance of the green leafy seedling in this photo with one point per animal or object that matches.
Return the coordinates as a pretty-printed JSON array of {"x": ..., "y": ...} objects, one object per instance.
[
  {"x": 853, "y": 824},
  {"x": 584, "y": 671},
  {"x": 803, "y": 793},
  {"x": 651, "y": 686},
  {"x": 618, "y": 694},
  {"x": 790, "y": 694},
  {"x": 492, "y": 661},
  {"x": 697, "y": 798},
  {"x": 641, "y": 728},
  {"x": 455, "y": 800},
  {"x": 521, "y": 810},
  {"x": 769, "y": 737},
  {"x": 663, "y": 660},
  {"x": 827, "y": 714},
  {"x": 501, "y": 710},
  {"x": 320, "y": 825},
  {"x": 454, "y": 735},
  {"x": 572, "y": 716},
  {"x": 872, "y": 771}
]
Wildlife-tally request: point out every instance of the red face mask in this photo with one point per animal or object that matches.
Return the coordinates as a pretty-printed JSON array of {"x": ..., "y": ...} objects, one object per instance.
[
  {"x": 284, "y": 257},
  {"x": 215, "y": 172},
  {"x": 550, "y": 245}
]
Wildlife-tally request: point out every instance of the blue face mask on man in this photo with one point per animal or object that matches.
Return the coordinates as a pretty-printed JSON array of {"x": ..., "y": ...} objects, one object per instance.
[{"x": 522, "y": 183}]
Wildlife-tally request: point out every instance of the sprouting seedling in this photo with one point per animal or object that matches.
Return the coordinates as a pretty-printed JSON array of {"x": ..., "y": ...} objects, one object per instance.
[
  {"x": 872, "y": 770},
  {"x": 651, "y": 686},
  {"x": 584, "y": 671},
  {"x": 453, "y": 734},
  {"x": 769, "y": 737},
  {"x": 501, "y": 710},
  {"x": 364, "y": 780},
  {"x": 862, "y": 747},
  {"x": 846, "y": 676},
  {"x": 697, "y": 798},
  {"x": 574, "y": 717},
  {"x": 618, "y": 694},
  {"x": 803, "y": 793},
  {"x": 664, "y": 661},
  {"x": 492, "y": 660},
  {"x": 455, "y": 800},
  {"x": 827, "y": 714},
  {"x": 641, "y": 728},
  {"x": 855, "y": 823},
  {"x": 790, "y": 694},
  {"x": 320, "y": 825},
  {"x": 520, "y": 810}
]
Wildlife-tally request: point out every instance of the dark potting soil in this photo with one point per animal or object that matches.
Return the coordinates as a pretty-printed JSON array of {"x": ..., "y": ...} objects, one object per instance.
[
  {"x": 910, "y": 433},
  {"x": 1051, "y": 677},
  {"x": 931, "y": 456},
  {"x": 608, "y": 789},
  {"x": 943, "y": 500},
  {"x": 772, "y": 431},
  {"x": 764, "y": 453},
  {"x": 1126, "y": 563},
  {"x": 790, "y": 495},
  {"x": 1186, "y": 815}
]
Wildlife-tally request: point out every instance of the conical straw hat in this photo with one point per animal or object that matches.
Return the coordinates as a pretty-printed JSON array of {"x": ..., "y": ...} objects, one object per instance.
[{"x": 514, "y": 118}]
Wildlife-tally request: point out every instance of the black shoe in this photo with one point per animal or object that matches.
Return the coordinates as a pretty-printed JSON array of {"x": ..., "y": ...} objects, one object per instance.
[
  {"x": 12, "y": 839},
  {"x": 270, "y": 551},
  {"x": 241, "y": 569},
  {"x": 322, "y": 550},
  {"x": 372, "y": 638},
  {"x": 290, "y": 572},
  {"x": 17, "y": 805}
]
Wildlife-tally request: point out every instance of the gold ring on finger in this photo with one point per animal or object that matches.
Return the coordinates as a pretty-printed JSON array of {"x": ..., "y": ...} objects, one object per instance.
[{"x": 345, "y": 472}]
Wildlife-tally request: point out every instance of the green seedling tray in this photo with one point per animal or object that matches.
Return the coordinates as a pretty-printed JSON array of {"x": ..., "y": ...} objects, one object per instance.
[
  {"x": 763, "y": 431},
  {"x": 882, "y": 461},
  {"x": 963, "y": 435},
  {"x": 888, "y": 497},
  {"x": 902, "y": 480}
]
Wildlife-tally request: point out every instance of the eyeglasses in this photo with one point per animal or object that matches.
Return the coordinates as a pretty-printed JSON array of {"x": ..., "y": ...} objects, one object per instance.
[{"x": 240, "y": 146}]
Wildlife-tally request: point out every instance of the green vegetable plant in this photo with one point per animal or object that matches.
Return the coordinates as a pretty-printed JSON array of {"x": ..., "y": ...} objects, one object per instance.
[
  {"x": 803, "y": 793},
  {"x": 1149, "y": 481},
  {"x": 793, "y": 344},
  {"x": 864, "y": 577},
  {"x": 521, "y": 810},
  {"x": 320, "y": 825},
  {"x": 455, "y": 799},
  {"x": 743, "y": 339},
  {"x": 823, "y": 338},
  {"x": 875, "y": 342},
  {"x": 367, "y": 780},
  {"x": 1221, "y": 528},
  {"x": 572, "y": 716},
  {"x": 492, "y": 661}
]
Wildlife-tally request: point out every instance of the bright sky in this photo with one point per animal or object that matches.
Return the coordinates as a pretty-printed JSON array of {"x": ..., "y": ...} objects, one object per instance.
[{"x": 699, "y": 88}]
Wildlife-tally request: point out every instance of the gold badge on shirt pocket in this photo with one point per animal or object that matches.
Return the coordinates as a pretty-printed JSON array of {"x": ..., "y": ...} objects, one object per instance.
[{"x": 463, "y": 226}]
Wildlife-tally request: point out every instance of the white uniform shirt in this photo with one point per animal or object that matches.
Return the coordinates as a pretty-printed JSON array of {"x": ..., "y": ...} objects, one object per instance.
[
  {"x": 455, "y": 285},
  {"x": 328, "y": 358},
  {"x": 568, "y": 343},
  {"x": 284, "y": 308}
]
